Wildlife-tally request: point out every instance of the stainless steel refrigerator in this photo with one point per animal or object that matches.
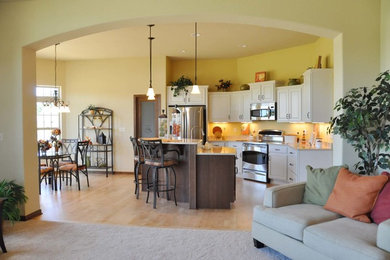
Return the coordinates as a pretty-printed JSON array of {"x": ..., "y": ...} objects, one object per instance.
[{"x": 187, "y": 122}]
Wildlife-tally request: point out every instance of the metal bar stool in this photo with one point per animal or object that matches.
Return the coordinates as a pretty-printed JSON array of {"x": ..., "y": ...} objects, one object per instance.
[
  {"x": 139, "y": 160},
  {"x": 154, "y": 157}
]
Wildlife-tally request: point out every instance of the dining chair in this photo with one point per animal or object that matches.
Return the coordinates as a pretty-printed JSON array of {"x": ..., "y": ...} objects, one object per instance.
[
  {"x": 79, "y": 164},
  {"x": 44, "y": 169},
  {"x": 69, "y": 146}
]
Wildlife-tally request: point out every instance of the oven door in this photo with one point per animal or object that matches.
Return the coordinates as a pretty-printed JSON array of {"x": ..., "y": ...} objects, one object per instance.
[{"x": 255, "y": 162}]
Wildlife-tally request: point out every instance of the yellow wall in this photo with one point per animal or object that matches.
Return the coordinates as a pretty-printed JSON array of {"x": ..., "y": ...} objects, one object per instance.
[
  {"x": 210, "y": 71},
  {"x": 287, "y": 63},
  {"x": 385, "y": 35},
  {"x": 110, "y": 83},
  {"x": 279, "y": 65},
  {"x": 32, "y": 25}
]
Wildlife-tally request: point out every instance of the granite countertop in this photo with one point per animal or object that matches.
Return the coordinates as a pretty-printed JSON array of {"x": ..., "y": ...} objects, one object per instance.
[
  {"x": 313, "y": 148},
  {"x": 177, "y": 141},
  {"x": 217, "y": 151},
  {"x": 250, "y": 139}
]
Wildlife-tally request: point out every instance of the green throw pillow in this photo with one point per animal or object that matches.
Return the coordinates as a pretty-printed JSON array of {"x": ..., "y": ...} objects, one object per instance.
[{"x": 320, "y": 183}]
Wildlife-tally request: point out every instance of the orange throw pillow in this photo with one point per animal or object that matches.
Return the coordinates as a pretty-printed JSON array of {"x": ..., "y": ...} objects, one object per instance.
[{"x": 354, "y": 195}]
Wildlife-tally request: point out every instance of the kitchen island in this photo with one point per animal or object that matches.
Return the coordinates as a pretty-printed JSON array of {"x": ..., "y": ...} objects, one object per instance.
[{"x": 204, "y": 178}]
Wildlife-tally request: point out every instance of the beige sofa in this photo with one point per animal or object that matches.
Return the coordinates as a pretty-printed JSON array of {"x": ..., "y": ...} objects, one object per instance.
[{"x": 307, "y": 231}]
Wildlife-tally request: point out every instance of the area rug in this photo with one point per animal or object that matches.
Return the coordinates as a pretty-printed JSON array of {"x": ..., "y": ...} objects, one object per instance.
[{"x": 36, "y": 239}]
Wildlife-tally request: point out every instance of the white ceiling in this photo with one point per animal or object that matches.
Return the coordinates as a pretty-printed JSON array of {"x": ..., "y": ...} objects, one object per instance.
[{"x": 216, "y": 41}]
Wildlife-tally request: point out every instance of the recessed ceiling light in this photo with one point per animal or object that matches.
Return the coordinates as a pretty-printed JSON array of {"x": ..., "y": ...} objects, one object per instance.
[
  {"x": 243, "y": 46},
  {"x": 193, "y": 34}
]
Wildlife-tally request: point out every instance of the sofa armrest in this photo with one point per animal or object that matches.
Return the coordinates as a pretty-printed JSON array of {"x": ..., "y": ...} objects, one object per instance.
[
  {"x": 383, "y": 235},
  {"x": 284, "y": 195}
]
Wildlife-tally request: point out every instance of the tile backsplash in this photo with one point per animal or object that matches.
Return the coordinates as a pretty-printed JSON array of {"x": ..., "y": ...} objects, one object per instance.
[{"x": 236, "y": 129}]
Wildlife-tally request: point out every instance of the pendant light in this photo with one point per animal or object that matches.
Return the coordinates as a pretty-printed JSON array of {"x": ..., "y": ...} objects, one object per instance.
[
  {"x": 150, "y": 92},
  {"x": 195, "y": 87},
  {"x": 57, "y": 105}
]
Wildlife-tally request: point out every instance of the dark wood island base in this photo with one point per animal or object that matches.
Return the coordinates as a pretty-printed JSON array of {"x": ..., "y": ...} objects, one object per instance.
[{"x": 204, "y": 178}]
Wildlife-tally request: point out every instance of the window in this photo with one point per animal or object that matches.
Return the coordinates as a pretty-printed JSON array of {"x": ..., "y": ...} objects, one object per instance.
[{"x": 47, "y": 119}]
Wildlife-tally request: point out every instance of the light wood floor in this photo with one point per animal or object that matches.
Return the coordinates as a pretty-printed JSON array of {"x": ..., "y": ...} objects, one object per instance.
[{"x": 112, "y": 200}]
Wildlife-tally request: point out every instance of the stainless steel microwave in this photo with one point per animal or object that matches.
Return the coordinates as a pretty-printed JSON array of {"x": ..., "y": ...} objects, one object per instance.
[{"x": 263, "y": 111}]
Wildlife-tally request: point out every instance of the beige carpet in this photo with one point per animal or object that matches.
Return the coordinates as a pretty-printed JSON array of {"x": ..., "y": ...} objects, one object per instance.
[{"x": 36, "y": 239}]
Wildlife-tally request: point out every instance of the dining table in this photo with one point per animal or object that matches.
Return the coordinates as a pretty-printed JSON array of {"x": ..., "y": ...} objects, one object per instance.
[{"x": 54, "y": 158}]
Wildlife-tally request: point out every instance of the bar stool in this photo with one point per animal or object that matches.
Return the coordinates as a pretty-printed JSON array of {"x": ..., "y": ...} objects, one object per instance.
[
  {"x": 139, "y": 160},
  {"x": 154, "y": 157}
]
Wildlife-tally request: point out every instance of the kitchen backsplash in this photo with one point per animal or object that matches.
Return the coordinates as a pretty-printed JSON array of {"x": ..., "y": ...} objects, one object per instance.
[{"x": 236, "y": 129}]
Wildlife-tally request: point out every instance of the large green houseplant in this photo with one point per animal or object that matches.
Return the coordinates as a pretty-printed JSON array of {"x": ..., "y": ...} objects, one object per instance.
[
  {"x": 15, "y": 197},
  {"x": 180, "y": 85},
  {"x": 364, "y": 123}
]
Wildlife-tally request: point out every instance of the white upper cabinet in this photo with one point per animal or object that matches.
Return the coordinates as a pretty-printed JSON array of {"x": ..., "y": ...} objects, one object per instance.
[
  {"x": 246, "y": 114},
  {"x": 229, "y": 106},
  {"x": 289, "y": 103},
  {"x": 189, "y": 99},
  {"x": 263, "y": 91},
  {"x": 317, "y": 95},
  {"x": 219, "y": 107}
]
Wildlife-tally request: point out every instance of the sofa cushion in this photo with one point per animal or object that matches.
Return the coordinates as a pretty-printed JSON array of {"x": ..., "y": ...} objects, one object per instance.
[
  {"x": 354, "y": 195},
  {"x": 344, "y": 238},
  {"x": 292, "y": 220},
  {"x": 381, "y": 210},
  {"x": 320, "y": 183}
]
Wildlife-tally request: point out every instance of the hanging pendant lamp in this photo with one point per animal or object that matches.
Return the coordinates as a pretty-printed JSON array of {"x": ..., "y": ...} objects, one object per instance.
[
  {"x": 150, "y": 92},
  {"x": 56, "y": 105},
  {"x": 195, "y": 87}
]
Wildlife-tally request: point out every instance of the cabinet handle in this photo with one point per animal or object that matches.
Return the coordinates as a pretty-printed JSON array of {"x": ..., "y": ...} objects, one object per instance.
[
  {"x": 277, "y": 149},
  {"x": 291, "y": 164},
  {"x": 291, "y": 153},
  {"x": 308, "y": 115},
  {"x": 229, "y": 117},
  {"x": 262, "y": 97},
  {"x": 290, "y": 179},
  {"x": 189, "y": 100}
]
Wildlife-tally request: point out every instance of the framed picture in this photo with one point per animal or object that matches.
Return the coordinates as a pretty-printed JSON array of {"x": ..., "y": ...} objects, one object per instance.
[{"x": 260, "y": 76}]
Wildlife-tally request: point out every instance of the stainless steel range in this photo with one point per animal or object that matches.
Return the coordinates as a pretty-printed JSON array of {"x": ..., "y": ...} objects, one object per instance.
[{"x": 255, "y": 155}]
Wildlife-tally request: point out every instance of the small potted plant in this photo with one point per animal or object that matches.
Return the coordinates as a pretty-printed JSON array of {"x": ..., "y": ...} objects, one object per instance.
[
  {"x": 14, "y": 193},
  {"x": 223, "y": 85},
  {"x": 91, "y": 109},
  {"x": 180, "y": 85}
]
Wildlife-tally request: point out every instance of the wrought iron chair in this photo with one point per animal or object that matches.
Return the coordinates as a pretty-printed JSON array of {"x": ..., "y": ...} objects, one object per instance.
[
  {"x": 44, "y": 169},
  {"x": 139, "y": 160},
  {"x": 154, "y": 157},
  {"x": 79, "y": 165},
  {"x": 69, "y": 146}
]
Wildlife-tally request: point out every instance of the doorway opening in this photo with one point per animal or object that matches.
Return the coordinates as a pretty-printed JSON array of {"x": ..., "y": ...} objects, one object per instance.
[{"x": 146, "y": 114}]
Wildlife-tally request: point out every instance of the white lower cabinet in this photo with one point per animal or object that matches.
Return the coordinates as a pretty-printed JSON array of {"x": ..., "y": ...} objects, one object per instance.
[
  {"x": 277, "y": 161},
  {"x": 299, "y": 159}
]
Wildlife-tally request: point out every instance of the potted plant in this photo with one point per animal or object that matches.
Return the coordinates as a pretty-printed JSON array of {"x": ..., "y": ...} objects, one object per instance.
[
  {"x": 180, "y": 85},
  {"x": 364, "y": 124},
  {"x": 224, "y": 85},
  {"x": 91, "y": 109},
  {"x": 15, "y": 197}
]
